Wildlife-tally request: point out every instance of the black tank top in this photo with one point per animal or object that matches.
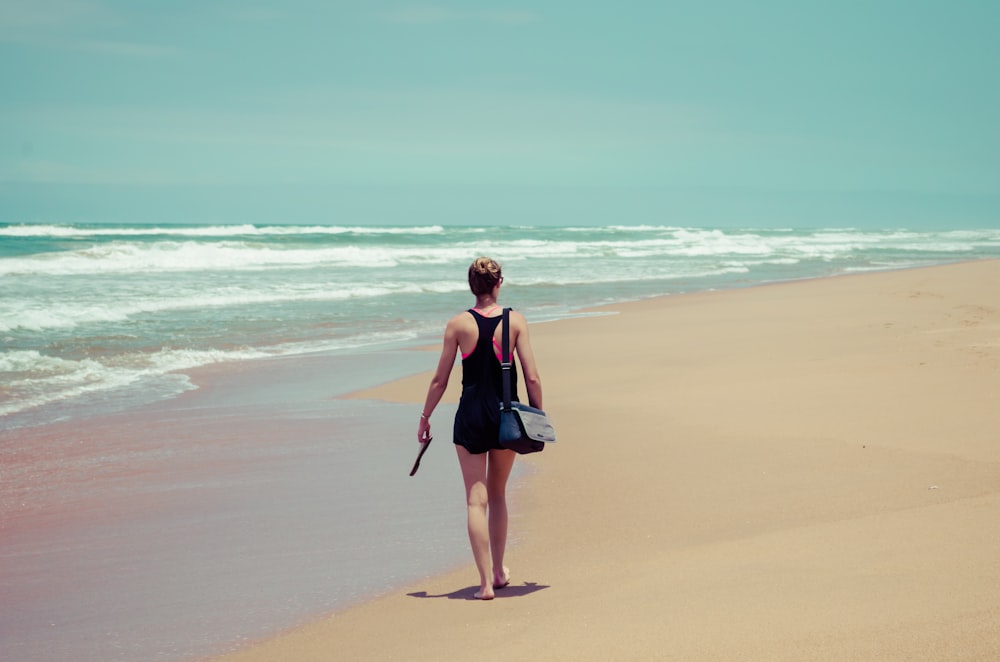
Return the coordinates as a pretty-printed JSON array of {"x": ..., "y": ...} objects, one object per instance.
[{"x": 482, "y": 367}]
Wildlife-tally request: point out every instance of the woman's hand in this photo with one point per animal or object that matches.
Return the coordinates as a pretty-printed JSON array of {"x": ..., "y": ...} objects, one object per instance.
[{"x": 424, "y": 430}]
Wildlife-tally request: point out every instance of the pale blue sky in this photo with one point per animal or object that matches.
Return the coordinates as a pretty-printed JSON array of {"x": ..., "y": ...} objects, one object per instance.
[{"x": 687, "y": 113}]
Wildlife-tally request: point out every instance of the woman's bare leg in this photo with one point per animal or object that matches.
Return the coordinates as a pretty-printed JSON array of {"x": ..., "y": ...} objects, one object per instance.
[
  {"x": 474, "y": 474},
  {"x": 498, "y": 471}
]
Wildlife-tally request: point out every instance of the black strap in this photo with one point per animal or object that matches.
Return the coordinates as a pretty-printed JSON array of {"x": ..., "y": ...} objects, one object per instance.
[{"x": 506, "y": 358}]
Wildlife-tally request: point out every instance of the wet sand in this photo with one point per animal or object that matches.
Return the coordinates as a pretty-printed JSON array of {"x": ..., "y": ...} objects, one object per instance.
[{"x": 195, "y": 525}]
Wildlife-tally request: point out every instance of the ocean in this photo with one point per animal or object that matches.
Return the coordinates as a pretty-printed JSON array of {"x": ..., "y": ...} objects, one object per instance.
[
  {"x": 143, "y": 517},
  {"x": 103, "y": 317}
]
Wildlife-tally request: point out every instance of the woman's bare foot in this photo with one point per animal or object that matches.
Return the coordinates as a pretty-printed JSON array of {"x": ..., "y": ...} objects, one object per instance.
[
  {"x": 502, "y": 580},
  {"x": 484, "y": 594}
]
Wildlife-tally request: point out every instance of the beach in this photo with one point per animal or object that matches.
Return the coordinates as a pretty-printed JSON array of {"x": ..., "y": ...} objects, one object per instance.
[
  {"x": 805, "y": 470},
  {"x": 758, "y": 250}
]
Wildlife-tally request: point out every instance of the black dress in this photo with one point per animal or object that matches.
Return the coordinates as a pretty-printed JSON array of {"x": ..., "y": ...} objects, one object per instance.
[{"x": 477, "y": 422}]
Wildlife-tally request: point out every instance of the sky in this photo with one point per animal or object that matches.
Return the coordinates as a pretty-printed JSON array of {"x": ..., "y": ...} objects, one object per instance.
[{"x": 765, "y": 113}]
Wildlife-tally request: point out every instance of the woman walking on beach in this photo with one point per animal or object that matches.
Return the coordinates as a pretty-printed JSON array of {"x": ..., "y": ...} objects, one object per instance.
[{"x": 485, "y": 465}]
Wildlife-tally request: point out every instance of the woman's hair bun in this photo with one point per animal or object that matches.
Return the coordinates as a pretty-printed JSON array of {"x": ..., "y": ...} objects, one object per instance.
[{"x": 484, "y": 274}]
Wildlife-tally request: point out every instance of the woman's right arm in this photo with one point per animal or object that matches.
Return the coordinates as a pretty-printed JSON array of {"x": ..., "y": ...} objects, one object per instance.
[{"x": 529, "y": 371}]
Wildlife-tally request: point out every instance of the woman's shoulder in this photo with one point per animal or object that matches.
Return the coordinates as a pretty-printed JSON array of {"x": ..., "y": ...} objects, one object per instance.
[
  {"x": 463, "y": 318},
  {"x": 517, "y": 320}
]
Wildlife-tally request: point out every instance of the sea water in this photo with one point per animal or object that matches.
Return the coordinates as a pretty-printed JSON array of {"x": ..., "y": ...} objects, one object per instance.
[
  {"x": 102, "y": 317},
  {"x": 201, "y": 531}
]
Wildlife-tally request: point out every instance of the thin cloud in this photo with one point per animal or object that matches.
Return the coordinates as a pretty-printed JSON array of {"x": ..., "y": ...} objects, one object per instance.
[
  {"x": 254, "y": 14},
  {"x": 123, "y": 48},
  {"x": 37, "y": 171},
  {"x": 95, "y": 46},
  {"x": 437, "y": 15},
  {"x": 66, "y": 25},
  {"x": 33, "y": 14}
]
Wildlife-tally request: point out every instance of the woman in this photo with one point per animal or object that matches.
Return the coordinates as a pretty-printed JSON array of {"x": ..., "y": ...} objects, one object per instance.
[{"x": 485, "y": 465}]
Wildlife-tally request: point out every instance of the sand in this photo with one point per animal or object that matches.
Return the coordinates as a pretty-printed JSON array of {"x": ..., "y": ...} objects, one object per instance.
[{"x": 796, "y": 471}]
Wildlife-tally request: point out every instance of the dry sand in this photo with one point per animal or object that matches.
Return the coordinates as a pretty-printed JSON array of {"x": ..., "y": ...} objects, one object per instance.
[{"x": 802, "y": 471}]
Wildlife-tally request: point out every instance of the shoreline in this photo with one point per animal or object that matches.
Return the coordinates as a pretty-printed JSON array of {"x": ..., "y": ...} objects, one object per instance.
[{"x": 779, "y": 391}]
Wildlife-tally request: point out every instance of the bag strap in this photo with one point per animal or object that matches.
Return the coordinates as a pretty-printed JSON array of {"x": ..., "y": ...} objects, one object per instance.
[{"x": 506, "y": 358}]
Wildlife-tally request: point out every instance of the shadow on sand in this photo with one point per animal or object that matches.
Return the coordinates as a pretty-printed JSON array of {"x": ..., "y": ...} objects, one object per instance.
[{"x": 468, "y": 593}]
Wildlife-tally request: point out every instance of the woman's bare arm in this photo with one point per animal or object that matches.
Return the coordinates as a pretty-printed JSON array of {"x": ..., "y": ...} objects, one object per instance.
[
  {"x": 439, "y": 382},
  {"x": 529, "y": 371}
]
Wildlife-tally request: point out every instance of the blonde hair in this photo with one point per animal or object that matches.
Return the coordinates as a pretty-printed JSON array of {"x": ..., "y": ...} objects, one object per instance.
[{"x": 484, "y": 275}]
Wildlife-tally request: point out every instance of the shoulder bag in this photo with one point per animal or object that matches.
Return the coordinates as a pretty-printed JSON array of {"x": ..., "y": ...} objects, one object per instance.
[{"x": 522, "y": 428}]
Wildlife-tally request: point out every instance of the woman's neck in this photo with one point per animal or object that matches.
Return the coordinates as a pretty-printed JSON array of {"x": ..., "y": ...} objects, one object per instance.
[{"x": 485, "y": 303}]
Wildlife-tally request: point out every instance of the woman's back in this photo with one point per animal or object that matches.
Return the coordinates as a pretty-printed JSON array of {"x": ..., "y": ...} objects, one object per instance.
[{"x": 477, "y": 422}]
